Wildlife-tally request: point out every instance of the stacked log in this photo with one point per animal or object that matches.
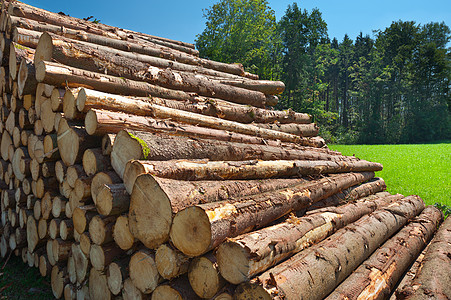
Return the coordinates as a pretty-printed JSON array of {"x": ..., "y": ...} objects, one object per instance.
[{"x": 131, "y": 167}]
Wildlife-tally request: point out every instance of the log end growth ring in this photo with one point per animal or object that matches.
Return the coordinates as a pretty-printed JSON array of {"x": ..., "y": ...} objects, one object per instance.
[
  {"x": 191, "y": 231},
  {"x": 150, "y": 215}
]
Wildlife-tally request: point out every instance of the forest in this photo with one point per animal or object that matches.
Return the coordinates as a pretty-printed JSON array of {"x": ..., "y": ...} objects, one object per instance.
[{"x": 392, "y": 86}]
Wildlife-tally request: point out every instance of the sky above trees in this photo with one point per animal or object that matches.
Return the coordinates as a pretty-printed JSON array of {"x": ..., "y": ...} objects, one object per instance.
[{"x": 182, "y": 20}]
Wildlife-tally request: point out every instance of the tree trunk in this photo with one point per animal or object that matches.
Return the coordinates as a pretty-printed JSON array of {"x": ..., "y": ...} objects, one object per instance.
[
  {"x": 127, "y": 147},
  {"x": 98, "y": 285},
  {"x": 17, "y": 53},
  {"x": 121, "y": 233},
  {"x": 82, "y": 215},
  {"x": 88, "y": 99},
  {"x": 101, "y": 59},
  {"x": 432, "y": 279},
  {"x": 178, "y": 288},
  {"x": 306, "y": 130},
  {"x": 59, "y": 75},
  {"x": 171, "y": 263},
  {"x": 112, "y": 199},
  {"x": 73, "y": 141},
  {"x": 101, "y": 229},
  {"x": 94, "y": 161},
  {"x": 26, "y": 78},
  {"x": 117, "y": 271},
  {"x": 102, "y": 255},
  {"x": 378, "y": 275},
  {"x": 251, "y": 169},
  {"x": 332, "y": 260},
  {"x": 160, "y": 147},
  {"x": 81, "y": 262},
  {"x": 59, "y": 279},
  {"x": 99, "y": 36},
  {"x": 198, "y": 229},
  {"x": 245, "y": 256},
  {"x": 143, "y": 271},
  {"x": 204, "y": 276}
]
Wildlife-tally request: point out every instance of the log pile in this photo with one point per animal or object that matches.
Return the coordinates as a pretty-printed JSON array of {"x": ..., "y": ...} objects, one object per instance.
[{"x": 133, "y": 169}]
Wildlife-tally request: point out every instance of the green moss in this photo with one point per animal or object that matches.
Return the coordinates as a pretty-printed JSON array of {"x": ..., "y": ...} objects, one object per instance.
[
  {"x": 18, "y": 46},
  {"x": 146, "y": 149}
]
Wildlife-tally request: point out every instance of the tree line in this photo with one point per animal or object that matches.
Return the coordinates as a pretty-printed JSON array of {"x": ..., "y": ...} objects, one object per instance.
[{"x": 392, "y": 87}]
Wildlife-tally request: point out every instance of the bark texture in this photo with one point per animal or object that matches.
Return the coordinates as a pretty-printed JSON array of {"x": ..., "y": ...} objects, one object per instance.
[
  {"x": 333, "y": 259},
  {"x": 378, "y": 275},
  {"x": 200, "y": 228}
]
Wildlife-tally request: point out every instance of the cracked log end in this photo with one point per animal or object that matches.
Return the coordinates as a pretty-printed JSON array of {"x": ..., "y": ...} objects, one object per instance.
[
  {"x": 150, "y": 215},
  {"x": 191, "y": 231}
]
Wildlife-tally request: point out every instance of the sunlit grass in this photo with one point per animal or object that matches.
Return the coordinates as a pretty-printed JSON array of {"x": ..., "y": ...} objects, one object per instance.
[{"x": 420, "y": 169}]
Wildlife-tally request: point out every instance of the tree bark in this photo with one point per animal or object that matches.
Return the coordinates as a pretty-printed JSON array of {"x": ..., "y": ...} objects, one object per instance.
[
  {"x": 251, "y": 169},
  {"x": 126, "y": 147},
  {"x": 378, "y": 275},
  {"x": 101, "y": 59},
  {"x": 160, "y": 147},
  {"x": 305, "y": 130},
  {"x": 198, "y": 229},
  {"x": 88, "y": 99},
  {"x": 245, "y": 256},
  {"x": 432, "y": 279},
  {"x": 332, "y": 260}
]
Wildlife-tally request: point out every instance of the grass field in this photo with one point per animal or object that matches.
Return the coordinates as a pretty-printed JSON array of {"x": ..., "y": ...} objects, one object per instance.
[{"x": 420, "y": 169}]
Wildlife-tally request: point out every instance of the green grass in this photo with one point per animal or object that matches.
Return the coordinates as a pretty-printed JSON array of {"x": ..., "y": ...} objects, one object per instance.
[
  {"x": 18, "y": 281},
  {"x": 417, "y": 169}
]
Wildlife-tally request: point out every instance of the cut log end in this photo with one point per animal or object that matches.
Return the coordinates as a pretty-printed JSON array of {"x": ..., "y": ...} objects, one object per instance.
[
  {"x": 91, "y": 122},
  {"x": 68, "y": 143},
  {"x": 249, "y": 291},
  {"x": 204, "y": 277},
  {"x": 121, "y": 233},
  {"x": 191, "y": 231},
  {"x": 98, "y": 285},
  {"x": 170, "y": 262},
  {"x": 44, "y": 49},
  {"x": 143, "y": 271},
  {"x": 114, "y": 277},
  {"x": 234, "y": 262},
  {"x": 150, "y": 226}
]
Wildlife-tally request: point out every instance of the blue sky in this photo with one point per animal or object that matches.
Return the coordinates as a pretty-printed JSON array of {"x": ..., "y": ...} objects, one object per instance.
[{"x": 182, "y": 20}]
